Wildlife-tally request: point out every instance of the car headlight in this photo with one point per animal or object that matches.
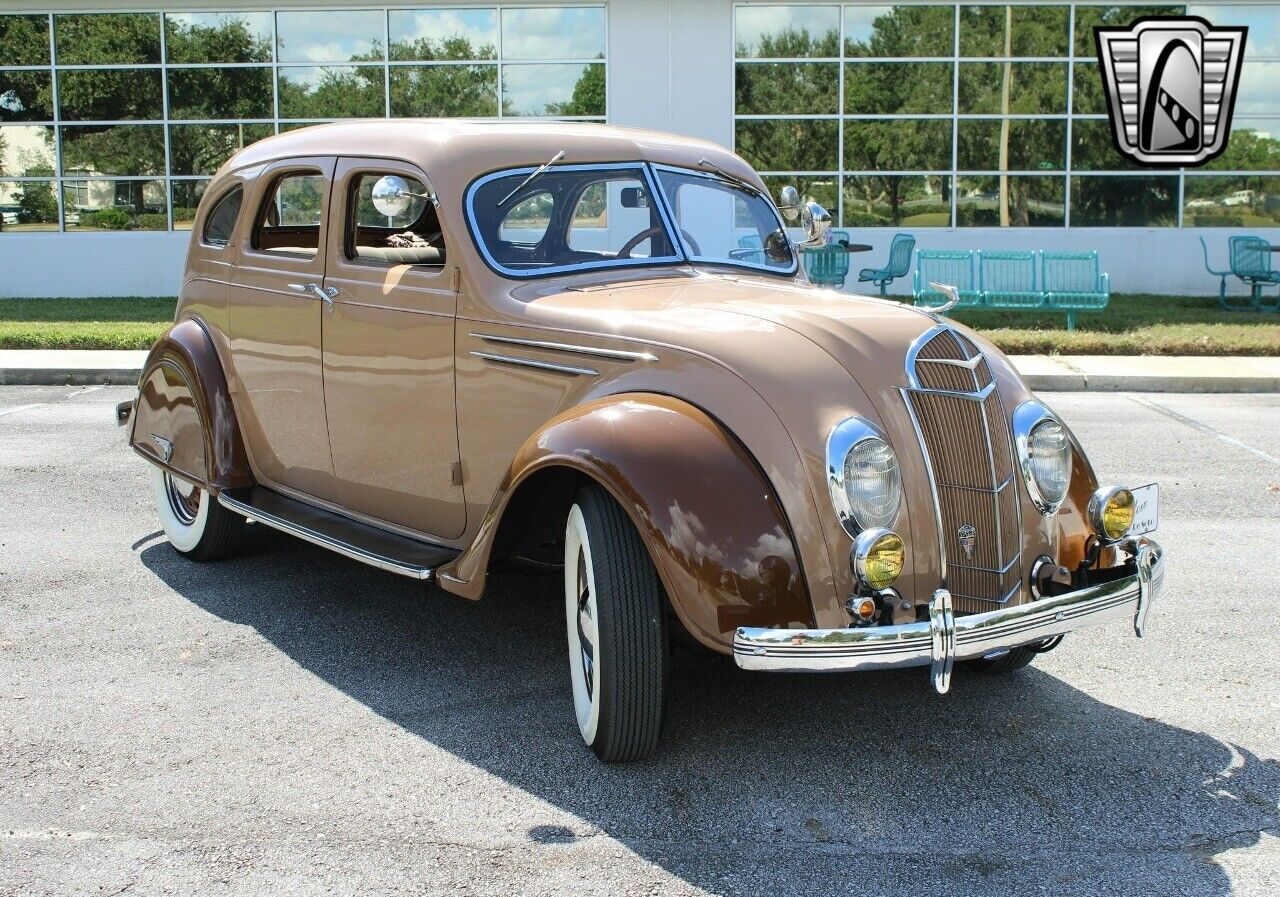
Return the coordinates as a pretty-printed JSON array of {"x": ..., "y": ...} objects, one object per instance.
[
  {"x": 863, "y": 476},
  {"x": 1044, "y": 454},
  {"x": 1111, "y": 511}
]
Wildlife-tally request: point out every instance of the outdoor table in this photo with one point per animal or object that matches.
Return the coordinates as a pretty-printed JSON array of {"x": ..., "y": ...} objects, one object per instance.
[{"x": 856, "y": 247}]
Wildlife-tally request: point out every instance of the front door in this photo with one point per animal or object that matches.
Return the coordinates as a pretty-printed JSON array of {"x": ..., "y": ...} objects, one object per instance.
[
  {"x": 388, "y": 354},
  {"x": 275, "y": 325}
]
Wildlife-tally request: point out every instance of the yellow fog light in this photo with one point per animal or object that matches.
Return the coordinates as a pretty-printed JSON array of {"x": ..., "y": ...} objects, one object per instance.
[
  {"x": 1111, "y": 512},
  {"x": 878, "y": 555}
]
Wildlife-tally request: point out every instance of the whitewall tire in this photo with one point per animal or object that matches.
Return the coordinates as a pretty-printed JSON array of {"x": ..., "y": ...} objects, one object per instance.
[{"x": 197, "y": 526}]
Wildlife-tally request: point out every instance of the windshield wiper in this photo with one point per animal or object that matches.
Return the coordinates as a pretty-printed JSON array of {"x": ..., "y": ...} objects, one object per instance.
[
  {"x": 731, "y": 178},
  {"x": 533, "y": 174}
]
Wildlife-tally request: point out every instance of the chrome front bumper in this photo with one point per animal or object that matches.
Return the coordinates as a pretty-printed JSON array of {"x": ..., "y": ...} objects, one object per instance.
[{"x": 945, "y": 638}]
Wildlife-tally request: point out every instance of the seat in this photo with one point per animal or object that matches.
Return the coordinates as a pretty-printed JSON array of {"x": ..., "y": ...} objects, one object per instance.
[
  {"x": 1072, "y": 282},
  {"x": 827, "y": 265},
  {"x": 1222, "y": 283},
  {"x": 1007, "y": 278},
  {"x": 953, "y": 267},
  {"x": 899, "y": 264},
  {"x": 410, "y": 255},
  {"x": 1251, "y": 262}
]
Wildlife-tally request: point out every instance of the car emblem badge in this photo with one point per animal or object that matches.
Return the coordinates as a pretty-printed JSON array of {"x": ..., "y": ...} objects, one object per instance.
[
  {"x": 967, "y": 535},
  {"x": 1171, "y": 87}
]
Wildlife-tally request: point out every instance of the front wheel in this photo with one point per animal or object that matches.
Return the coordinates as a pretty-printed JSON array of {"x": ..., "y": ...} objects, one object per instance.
[
  {"x": 197, "y": 526},
  {"x": 618, "y": 659}
]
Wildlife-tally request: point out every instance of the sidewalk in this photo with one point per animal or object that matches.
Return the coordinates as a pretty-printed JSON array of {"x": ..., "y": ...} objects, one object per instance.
[{"x": 1057, "y": 373}]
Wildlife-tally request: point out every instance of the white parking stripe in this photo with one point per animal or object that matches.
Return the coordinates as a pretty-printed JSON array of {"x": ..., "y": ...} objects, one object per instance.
[
  {"x": 1204, "y": 428},
  {"x": 21, "y": 408}
]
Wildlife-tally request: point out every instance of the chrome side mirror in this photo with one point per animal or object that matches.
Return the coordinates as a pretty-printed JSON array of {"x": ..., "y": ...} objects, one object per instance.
[
  {"x": 816, "y": 222},
  {"x": 392, "y": 197},
  {"x": 789, "y": 202}
]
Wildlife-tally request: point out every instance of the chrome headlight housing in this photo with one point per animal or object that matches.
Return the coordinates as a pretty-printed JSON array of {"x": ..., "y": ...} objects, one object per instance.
[
  {"x": 863, "y": 476},
  {"x": 1044, "y": 455}
]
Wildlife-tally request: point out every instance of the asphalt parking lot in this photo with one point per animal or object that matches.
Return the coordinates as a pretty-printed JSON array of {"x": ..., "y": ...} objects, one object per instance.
[{"x": 294, "y": 723}]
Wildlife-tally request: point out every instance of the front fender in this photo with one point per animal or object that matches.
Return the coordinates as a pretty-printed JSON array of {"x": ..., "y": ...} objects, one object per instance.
[{"x": 713, "y": 526}]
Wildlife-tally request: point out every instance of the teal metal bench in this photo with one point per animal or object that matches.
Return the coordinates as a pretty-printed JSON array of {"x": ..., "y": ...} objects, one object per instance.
[
  {"x": 949, "y": 266},
  {"x": 1072, "y": 282},
  {"x": 826, "y": 265},
  {"x": 1008, "y": 279},
  {"x": 899, "y": 263},
  {"x": 1251, "y": 262},
  {"x": 752, "y": 241}
]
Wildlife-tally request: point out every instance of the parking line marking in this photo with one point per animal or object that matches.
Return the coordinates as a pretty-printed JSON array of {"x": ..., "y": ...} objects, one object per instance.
[
  {"x": 22, "y": 408},
  {"x": 1204, "y": 428}
]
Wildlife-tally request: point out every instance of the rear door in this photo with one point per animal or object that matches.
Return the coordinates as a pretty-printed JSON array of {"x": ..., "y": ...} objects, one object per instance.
[{"x": 388, "y": 355}]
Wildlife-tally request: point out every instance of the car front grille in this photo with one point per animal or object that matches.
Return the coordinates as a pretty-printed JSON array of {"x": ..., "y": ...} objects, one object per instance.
[{"x": 962, "y": 427}]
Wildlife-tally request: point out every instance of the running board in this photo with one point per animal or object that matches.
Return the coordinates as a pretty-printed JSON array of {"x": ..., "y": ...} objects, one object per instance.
[{"x": 358, "y": 541}]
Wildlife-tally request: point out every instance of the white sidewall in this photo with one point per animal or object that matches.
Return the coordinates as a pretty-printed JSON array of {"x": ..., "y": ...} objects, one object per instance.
[
  {"x": 183, "y": 536},
  {"x": 586, "y": 706}
]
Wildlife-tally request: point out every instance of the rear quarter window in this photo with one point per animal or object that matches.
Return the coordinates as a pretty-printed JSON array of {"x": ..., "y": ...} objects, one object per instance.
[{"x": 221, "y": 222}]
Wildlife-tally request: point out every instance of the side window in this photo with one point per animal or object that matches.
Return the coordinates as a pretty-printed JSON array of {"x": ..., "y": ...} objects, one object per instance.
[
  {"x": 608, "y": 216},
  {"x": 528, "y": 220},
  {"x": 412, "y": 237},
  {"x": 221, "y": 222},
  {"x": 290, "y": 218}
]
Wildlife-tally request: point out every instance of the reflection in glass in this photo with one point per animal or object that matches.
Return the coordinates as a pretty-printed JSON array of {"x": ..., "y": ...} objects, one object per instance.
[
  {"x": 1017, "y": 88},
  {"x": 1231, "y": 201},
  {"x": 897, "y": 144},
  {"x": 28, "y": 206},
  {"x": 24, "y": 40},
  {"x": 798, "y": 88},
  {"x": 897, "y": 200},
  {"x": 1015, "y": 201},
  {"x": 114, "y": 149},
  {"x": 204, "y": 37},
  {"x": 26, "y": 96},
  {"x": 109, "y": 94},
  {"x": 335, "y": 91},
  {"x": 201, "y": 149},
  {"x": 332, "y": 36},
  {"x": 1088, "y": 94},
  {"x": 1009, "y": 30},
  {"x": 430, "y": 34},
  {"x": 109, "y": 39},
  {"x": 1089, "y": 17},
  {"x": 795, "y": 144},
  {"x": 107, "y": 205},
  {"x": 822, "y": 189},
  {"x": 444, "y": 90},
  {"x": 26, "y": 151},
  {"x": 1093, "y": 148},
  {"x": 1259, "y": 88},
  {"x": 1026, "y": 144},
  {"x": 186, "y": 199},
  {"x": 1263, "y": 23},
  {"x": 559, "y": 89},
  {"x": 893, "y": 88},
  {"x": 1253, "y": 145},
  {"x": 553, "y": 33},
  {"x": 765, "y": 32},
  {"x": 1124, "y": 201},
  {"x": 906, "y": 30},
  {"x": 220, "y": 93}
]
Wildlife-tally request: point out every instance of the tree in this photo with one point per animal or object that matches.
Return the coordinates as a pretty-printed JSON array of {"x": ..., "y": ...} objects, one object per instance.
[
  {"x": 588, "y": 94},
  {"x": 444, "y": 91}
]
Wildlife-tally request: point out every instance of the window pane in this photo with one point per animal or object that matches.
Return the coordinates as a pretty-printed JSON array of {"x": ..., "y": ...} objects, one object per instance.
[
  {"x": 1253, "y": 145},
  {"x": 331, "y": 36},
  {"x": 367, "y": 215},
  {"x": 822, "y": 189},
  {"x": 444, "y": 90},
  {"x": 118, "y": 149},
  {"x": 1094, "y": 149},
  {"x": 897, "y": 201},
  {"x": 899, "y": 30},
  {"x": 201, "y": 149},
  {"x": 109, "y": 94},
  {"x": 1231, "y": 201},
  {"x": 1014, "y": 30},
  {"x": 26, "y": 151},
  {"x": 1263, "y": 23},
  {"x": 1034, "y": 88},
  {"x": 26, "y": 96},
  {"x": 789, "y": 144},
  {"x": 1088, "y": 17},
  {"x": 897, "y": 144},
  {"x": 28, "y": 206},
  {"x": 218, "y": 37},
  {"x": 550, "y": 33},
  {"x": 1259, "y": 88},
  {"x": 24, "y": 40},
  {"x": 886, "y": 88},
  {"x": 337, "y": 91},
  {"x": 114, "y": 205},
  {"x": 112, "y": 38},
  {"x": 220, "y": 93},
  {"x": 1089, "y": 95},
  {"x": 1024, "y": 202},
  {"x": 788, "y": 87},
  {"x": 1124, "y": 201},
  {"x": 567, "y": 89},
  {"x": 787, "y": 31},
  {"x": 428, "y": 34},
  {"x": 186, "y": 199},
  {"x": 1029, "y": 144}
]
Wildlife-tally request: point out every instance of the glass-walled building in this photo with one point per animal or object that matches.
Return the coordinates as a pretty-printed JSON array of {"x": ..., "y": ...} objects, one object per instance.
[{"x": 970, "y": 125}]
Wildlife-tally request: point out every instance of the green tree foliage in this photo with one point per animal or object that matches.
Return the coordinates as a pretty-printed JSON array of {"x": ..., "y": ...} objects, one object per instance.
[
  {"x": 117, "y": 38},
  {"x": 231, "y": 40},
  {"x": 588, "y": 94},
  {"x": 333, "y": 92},
  {"x": 24, "y": 40}
]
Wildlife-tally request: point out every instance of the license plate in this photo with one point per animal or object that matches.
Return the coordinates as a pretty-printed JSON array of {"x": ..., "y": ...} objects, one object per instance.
[{"x": 1146, "y": 509}]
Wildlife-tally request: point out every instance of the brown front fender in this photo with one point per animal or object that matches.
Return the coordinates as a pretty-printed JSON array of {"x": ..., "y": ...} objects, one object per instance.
[
  {"x": 708, "y": 515},
  {"x": 184, "y": 411}
]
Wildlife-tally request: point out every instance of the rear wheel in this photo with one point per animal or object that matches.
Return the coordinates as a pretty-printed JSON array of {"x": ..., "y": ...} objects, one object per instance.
[
  {"x": 197, "y": 526},
  {"x": 618, "y": 659}
]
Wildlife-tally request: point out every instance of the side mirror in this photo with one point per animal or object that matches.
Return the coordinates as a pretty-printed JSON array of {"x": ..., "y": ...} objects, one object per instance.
[
  {"x": 392, "y": 197},
  {"x": 634, "y": 198},
  {"x": 789, "y": 202},
  {"x": 816, "y": 222}
]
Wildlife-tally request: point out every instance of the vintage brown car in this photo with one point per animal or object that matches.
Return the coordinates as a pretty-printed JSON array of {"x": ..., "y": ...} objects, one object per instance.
[{"x": 431, "y": 345}]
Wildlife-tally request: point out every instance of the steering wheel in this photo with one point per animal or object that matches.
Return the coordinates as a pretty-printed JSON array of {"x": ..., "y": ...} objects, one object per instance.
[{"x": 625, "y": 251}]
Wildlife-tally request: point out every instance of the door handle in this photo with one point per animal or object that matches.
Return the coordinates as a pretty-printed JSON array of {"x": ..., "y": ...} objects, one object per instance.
[{"x": 325, "y": 294}]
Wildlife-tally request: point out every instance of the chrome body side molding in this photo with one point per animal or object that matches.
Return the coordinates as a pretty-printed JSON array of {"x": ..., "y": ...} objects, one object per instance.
[
  {"x": 534, "y": 363},
  {"x": 590, "y": 351}
]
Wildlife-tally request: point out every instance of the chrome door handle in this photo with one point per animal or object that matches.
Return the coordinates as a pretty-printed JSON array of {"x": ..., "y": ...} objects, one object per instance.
[
  {"x": 325, "y": 294},
  {"x": 300, "y": 287}
]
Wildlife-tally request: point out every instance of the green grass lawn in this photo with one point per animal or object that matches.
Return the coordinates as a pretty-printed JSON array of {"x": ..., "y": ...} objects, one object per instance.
[{"x": 1132, "y": 325}]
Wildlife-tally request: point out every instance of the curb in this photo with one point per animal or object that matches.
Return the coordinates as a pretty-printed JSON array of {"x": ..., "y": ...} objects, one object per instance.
[{"x": 69, "y": 376}]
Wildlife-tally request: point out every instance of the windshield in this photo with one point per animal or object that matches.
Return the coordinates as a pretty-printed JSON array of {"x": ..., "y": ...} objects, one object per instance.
[{"x": 582, "y": 217}]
